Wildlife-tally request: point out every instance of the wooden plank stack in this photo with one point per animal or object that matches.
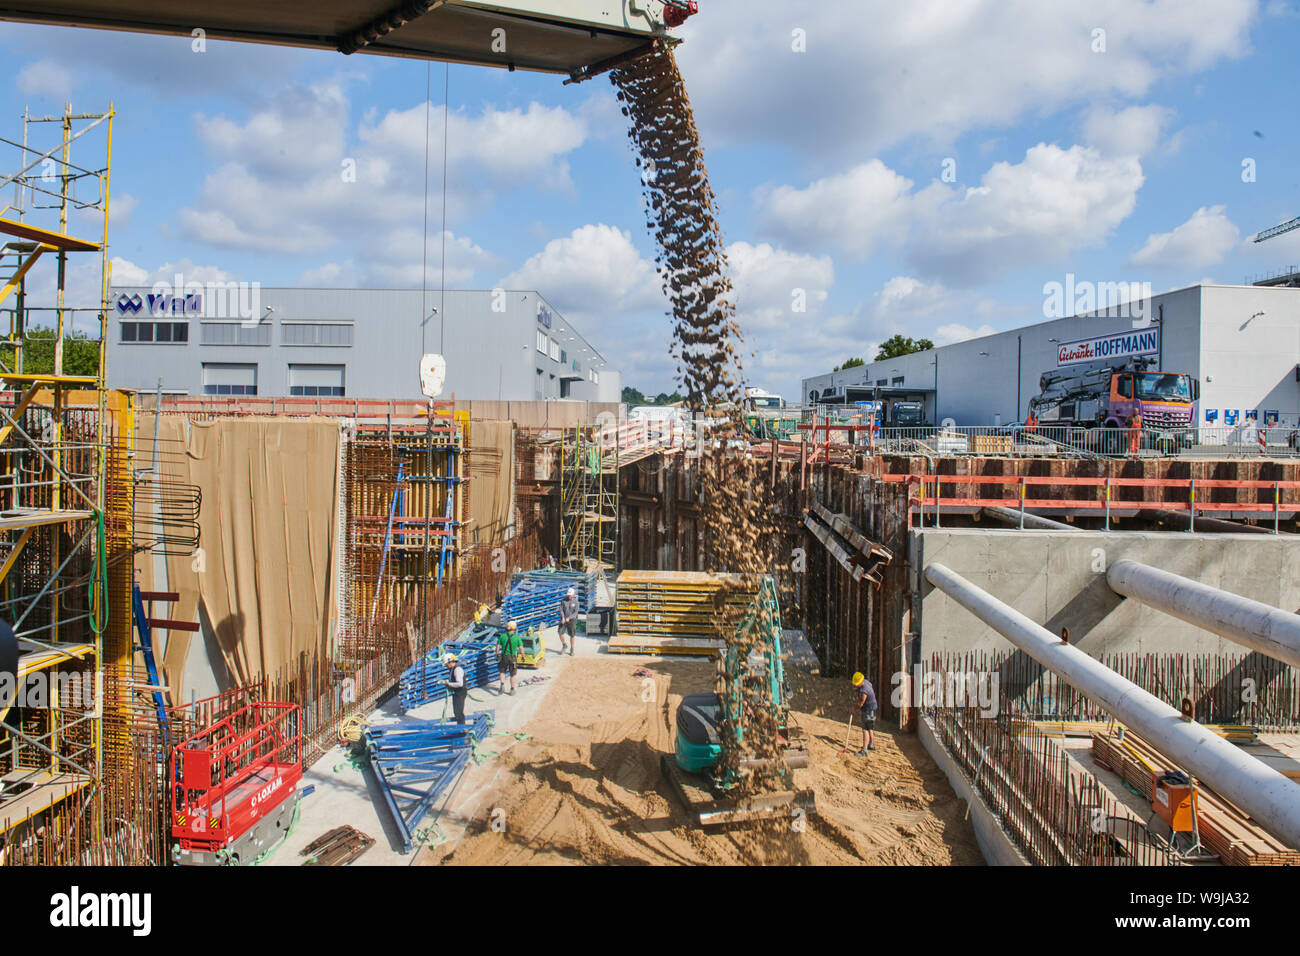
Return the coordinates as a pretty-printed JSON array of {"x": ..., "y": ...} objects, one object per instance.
[
  {"x": 677, "y": 611},
  {"x": 1224, "y": 828}
]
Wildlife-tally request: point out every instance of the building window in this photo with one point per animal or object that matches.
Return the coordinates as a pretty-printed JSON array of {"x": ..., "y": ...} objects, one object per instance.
[
  {"x": 234, "y": 333},
  {"x": 564, "y": 356},
  {"x": 541, "y": 341},
  {"x": 898, "y": 380},
  {"x": 316, "y": 381},
  {"x": 327, "y": 334},
  {"x": 228, "y": 378},
  {"x": 170, "y": 333},
  {"x": 882, "y": 381},
  {"x": 555, "y": 351}
]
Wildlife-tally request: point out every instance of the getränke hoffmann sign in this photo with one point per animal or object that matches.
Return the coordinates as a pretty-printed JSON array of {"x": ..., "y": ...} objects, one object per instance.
[{"x": 1119, "y": 345}]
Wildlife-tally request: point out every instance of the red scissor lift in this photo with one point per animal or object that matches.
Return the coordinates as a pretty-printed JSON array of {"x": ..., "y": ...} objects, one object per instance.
[{"x": 235, "y": 785}]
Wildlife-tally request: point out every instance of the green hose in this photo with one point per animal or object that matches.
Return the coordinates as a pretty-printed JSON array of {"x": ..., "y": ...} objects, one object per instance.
[{"x": 99, "y": 574}]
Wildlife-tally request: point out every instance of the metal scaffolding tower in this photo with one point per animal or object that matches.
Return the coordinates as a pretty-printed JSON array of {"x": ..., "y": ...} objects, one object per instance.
[
  {"x": 58, "y": 440},
  {"x": 588, "y": 501}
]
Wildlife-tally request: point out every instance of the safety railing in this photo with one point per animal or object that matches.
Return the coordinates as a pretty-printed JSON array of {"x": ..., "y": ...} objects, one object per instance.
[{"x": 934, "y": 492}]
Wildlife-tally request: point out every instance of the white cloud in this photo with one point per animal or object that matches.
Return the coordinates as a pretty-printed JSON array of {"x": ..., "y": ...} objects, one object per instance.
[
  {"x": 874, "y": 75},
  {"x": 293, "y": 178},
  {"x": 331, "y": 275},
  {"x": 1039, "y": 210},
  {"x": 595, "y": 271},
  {"x": 1202, "y": 240},
  {"x": 903, "y": 298},
  {"x": 952, "y": 332},
  {"x": 860, "y": 208},
  {"x": 1133, "y": 131},
  {"x": 777, "y": 289},
  {"x": 1056, "y": 201},
  {"x": 47, "y": 78}
]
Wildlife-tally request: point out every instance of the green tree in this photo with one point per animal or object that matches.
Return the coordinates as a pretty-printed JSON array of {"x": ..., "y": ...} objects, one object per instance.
[
  {"x": 850, "y": 363},
  {"x": 897, "y": 345},
  {"x": 633, "y": 396},
  {"x": 80, "y": 353}
]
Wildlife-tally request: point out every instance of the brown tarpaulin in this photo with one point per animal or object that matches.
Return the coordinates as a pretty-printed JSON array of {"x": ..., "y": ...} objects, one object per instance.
[
  {"x": 492, "y": 463},
  {"x": 264, "y": 576}
]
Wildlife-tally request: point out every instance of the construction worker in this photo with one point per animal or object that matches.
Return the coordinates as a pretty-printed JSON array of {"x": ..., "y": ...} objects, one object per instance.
[
  {"x": 865, "y": 708},
  {"x": 1031, "y": 423},
  {"x": 508, "y": 644},
  {"x": 456, "y": 684},
  {"x": 568, "y": 620},
  {"x": 1135, "y": 432}
]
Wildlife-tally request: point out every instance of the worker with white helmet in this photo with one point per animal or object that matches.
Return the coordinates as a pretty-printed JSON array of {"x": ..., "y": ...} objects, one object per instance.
[
  {"x": 568, "y": 620},
  {"x": 508, "y": 644},
  {"x": 865, "y": 707},
  {"x": 456, "y": 684}
]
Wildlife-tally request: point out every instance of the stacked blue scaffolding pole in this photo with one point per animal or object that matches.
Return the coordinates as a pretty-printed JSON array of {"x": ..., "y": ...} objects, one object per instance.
[
  {"x": 425, "y": 680},
  {"x": 417, "y": 762},
  {"x": 534, "y": 596}
]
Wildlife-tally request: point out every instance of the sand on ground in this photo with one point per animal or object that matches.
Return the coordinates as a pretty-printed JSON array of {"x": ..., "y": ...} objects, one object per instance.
[{"x": 586, "y": 786}]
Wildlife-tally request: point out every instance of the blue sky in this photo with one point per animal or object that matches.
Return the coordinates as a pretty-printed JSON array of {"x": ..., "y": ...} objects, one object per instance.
[{"x": 1115, "y": 156}]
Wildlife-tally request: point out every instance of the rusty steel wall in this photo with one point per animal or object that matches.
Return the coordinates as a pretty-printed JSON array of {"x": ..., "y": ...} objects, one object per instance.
[{"x": 852, "y": 625}]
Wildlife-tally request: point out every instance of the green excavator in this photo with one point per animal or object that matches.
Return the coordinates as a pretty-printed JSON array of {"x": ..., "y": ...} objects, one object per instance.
[{"x": 736, "y": 749}]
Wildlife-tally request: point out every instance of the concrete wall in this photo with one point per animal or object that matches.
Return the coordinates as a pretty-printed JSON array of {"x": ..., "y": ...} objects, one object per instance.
[
  {"x": 1057, "y": 578},
  {"x": 1206, "y": 331},
  {"x": 488, "y": 338}
]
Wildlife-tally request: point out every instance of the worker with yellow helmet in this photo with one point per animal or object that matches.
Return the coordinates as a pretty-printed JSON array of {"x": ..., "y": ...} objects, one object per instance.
[{"x": 865, "y": 708}]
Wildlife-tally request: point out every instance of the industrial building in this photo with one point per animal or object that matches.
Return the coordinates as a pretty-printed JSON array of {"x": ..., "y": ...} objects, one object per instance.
[
  {"x": 1242, "y": 343},
  {"x": 232, "y": 339}
]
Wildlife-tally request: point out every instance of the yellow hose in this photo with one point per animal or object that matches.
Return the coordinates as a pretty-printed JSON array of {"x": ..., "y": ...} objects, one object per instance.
[{"x": 352, "y": 728}]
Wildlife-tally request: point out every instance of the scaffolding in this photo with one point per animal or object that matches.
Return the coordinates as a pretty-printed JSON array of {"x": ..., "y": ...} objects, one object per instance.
[
  {"x": 62, "y": 544},
  {"x": 406, "y": 504},
  {"x": 588, "y": 501}
]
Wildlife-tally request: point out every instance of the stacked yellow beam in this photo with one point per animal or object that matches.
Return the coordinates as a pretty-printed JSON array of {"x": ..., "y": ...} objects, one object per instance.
[{"x": 678, "y": 611}]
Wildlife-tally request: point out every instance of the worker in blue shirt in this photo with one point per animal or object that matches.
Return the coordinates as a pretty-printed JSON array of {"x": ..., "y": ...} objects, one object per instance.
[
  {"x": 865, "y": 707},
  {"x": 456, "y": 684}
]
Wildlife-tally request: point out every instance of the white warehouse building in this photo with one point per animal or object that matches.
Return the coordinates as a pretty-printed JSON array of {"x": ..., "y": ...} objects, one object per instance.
[{"x": 1242, "y": 343}]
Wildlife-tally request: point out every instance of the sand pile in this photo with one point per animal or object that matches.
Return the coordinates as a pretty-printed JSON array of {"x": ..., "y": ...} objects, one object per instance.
[{"x": 587, "y": 789}]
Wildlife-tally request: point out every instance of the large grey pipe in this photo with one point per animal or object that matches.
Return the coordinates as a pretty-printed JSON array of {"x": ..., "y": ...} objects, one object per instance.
[
  {"x": 1261, "y": 627},
  {"x": 1031, "y": 520},
  {"x": 1270, "y": 798}
]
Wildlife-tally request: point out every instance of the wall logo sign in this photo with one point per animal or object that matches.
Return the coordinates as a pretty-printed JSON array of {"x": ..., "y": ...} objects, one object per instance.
[
  {"x": 160, "y": 304},
  {"x": 1230, "y": 416},
  {"x": 1211, "y": 415},
  {"x": 544, "y": 316},
  {"x": 1101, "y": 347}
]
